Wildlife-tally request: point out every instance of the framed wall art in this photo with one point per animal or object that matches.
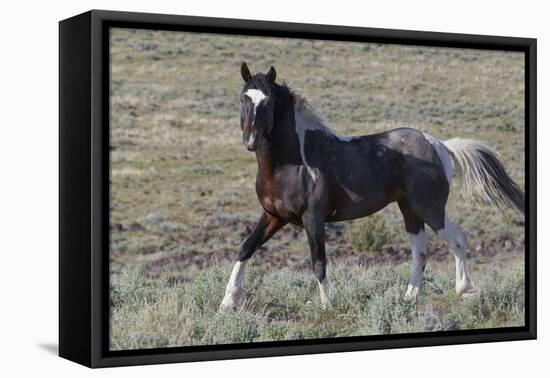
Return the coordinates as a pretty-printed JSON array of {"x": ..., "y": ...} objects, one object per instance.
[{"x": 235, "y": 188}]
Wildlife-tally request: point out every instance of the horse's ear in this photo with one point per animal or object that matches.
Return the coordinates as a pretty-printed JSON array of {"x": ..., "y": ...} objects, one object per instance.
[
  {"x": 272, "y": 74},
  {"x": 245, "y": 72}
]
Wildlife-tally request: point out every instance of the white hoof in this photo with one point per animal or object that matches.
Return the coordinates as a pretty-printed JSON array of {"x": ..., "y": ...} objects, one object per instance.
[
  {"x": 411, "y": 294},
  {"x": 232, "y": 300},
  {"x": 463, "y": 288},
  {"x": 325, "y": 305},
  {"x": 325, "y": 293}
]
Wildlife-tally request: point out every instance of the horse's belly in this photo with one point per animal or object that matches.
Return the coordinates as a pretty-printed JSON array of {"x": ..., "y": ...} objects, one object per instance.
[
  {"x": 354, "y": 212},
  {"x": 360, "y": 201}
]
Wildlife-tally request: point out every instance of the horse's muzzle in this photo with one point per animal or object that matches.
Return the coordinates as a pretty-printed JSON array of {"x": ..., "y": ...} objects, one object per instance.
[{"x": 252, "y": 142}]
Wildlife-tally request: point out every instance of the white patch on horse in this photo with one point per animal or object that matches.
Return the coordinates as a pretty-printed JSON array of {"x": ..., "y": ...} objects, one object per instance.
[
  {"x": 418, "y": 251},
  {"x": 307, "y": 118},
  {"x": 256, "y": 96},
  {"x": 302, "y": 126},
  {"x": 443, "y": 154},
  {"x": 324, "y": 292},
  {"x": 345, "y": 138},
  {"x": 234, "y": 291}
]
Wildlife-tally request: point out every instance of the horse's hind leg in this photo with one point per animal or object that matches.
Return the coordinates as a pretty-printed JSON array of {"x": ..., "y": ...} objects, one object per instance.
[
  {"x": 265, "y": 228},
  {"x": 315, "y": 229},
  {"x": 456, "y": 239},
  {"x": 417, "y": 238},
  {"x": 435, "y": 217}
]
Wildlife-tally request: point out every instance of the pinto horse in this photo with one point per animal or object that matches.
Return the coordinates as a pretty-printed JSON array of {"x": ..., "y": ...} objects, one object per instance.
[{"x": 308, "y": 175}]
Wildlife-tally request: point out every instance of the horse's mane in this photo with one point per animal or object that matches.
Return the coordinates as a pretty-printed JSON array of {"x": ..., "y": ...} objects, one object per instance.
[{"x": 303, "y": 106}]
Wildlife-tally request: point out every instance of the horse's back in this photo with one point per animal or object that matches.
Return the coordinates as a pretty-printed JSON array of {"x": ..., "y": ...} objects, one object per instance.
[
  {"x": 394, "y": 149},
  {"x": 373, "y": 170}
]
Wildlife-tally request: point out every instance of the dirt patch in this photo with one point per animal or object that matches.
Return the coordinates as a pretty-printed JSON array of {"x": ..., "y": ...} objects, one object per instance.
[{"x": 196, "y": 251}]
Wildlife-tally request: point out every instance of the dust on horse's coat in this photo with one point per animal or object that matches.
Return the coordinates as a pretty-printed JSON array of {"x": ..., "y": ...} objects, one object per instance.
[{"x": 308, "y": 175}]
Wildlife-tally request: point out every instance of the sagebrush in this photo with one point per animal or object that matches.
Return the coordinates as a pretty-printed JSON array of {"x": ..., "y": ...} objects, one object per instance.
[
  {"x": 369, "y": 234},
  {"x": 284, "y": 305}
]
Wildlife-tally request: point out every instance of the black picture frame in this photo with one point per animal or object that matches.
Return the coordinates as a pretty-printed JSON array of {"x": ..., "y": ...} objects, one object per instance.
[{"x": 84, "y": 187}]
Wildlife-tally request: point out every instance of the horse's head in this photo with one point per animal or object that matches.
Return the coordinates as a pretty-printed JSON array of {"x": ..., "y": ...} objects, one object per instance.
[{"x": 257, "y": 106}]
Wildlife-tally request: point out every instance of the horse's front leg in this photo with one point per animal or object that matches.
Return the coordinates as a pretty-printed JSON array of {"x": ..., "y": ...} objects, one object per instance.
[
  {"x": 314, "y": 225},
  {"x": 265, "y": 228}
]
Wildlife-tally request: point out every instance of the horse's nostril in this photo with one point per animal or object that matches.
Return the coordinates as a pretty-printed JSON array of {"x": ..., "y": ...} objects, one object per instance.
[{"x": 251, "y": 145}]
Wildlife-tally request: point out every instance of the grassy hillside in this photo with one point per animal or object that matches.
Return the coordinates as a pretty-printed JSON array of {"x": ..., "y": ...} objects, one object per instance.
[{"x": 182, "y": 184}]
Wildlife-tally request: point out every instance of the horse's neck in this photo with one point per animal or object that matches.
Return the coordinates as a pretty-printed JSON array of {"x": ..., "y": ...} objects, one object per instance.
[
  {"x": 266, "y": 161},
  {"x": 283, "y": 146}
]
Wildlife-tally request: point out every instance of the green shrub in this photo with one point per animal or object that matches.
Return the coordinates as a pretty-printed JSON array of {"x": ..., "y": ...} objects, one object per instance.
[
  {"x": 205, "y": 293},
  {"x": 278, "y": 331},
  {"x": 132, "y": 287},
  {"x": 282, "y": 293},
  {"x": 232, "y": 327},
  {"x": 368, "y": 234},
  {"x": 498, "y": 299},
  {"x": 387, "y": 311}
]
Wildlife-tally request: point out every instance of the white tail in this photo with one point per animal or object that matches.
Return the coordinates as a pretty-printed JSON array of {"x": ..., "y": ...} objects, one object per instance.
[{"x": 482, "y": 174}]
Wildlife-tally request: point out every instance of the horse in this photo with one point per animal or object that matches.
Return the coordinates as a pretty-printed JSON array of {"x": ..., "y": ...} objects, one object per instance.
[{"x": 308, "y": 176}]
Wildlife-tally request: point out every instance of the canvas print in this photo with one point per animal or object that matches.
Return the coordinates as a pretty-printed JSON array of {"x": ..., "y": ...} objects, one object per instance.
[{"x": 272, "y": 189}]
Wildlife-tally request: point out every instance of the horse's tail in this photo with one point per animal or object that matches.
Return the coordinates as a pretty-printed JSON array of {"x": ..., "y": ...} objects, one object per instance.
[{"x": 482, "y": 173}]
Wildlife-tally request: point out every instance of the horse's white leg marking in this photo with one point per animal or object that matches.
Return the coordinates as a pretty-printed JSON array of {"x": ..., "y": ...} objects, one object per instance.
[
  {"x": 443, "y": 154},
  {"x": 457, "y": 242},
  {"x": 301, "y": 127},
  {"x": 325, "y": 292},
  {"x": 234, "y": 295},
  {"x": 418, "y": 249}
]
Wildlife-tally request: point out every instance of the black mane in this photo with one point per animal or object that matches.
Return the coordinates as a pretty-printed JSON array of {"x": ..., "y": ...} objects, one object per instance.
[{"x": 278, "y": 92}]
